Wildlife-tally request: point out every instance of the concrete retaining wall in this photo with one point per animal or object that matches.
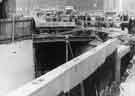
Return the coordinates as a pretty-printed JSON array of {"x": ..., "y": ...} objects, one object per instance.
[{"x": 16, "y": 65}]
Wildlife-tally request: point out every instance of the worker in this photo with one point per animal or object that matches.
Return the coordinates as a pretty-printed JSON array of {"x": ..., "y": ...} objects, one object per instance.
[
  {"x": 124, "y": 18},
  {"x": 131, "y": 25}
]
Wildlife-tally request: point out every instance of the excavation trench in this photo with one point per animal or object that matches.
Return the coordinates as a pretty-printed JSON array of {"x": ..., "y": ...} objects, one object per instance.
[{"x": 51, "y": 55}]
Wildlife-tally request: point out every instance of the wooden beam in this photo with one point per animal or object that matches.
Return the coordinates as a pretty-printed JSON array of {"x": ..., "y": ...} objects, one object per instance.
[
  {"x": 117, "y": 66},
  {"x": 45, "y": 39},
  {"x": 121, "y": 51},
  {"x": 68, "y": 75}
]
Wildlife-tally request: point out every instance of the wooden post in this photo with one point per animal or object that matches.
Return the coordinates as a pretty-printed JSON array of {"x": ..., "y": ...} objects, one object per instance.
[
  {"x": 35, "y": 61},
  {"x": 82, "y": 89},
  {"x": 66, "y": 44},
  {"x": 67, "y": 51},
  {"x": 67, "y": 58},
  {"x": 117, "y": 66}
]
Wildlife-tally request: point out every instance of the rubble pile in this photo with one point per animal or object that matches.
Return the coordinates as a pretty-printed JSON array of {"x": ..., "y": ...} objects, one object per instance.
[
  {"x": 127, "y": 86},
  {"x": 112, "y": 90}
]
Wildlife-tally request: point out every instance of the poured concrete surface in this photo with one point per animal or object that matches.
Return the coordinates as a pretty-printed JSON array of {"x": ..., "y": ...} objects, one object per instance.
[
  {"x": 16, "y": 65},
  {"x": 68, "y": 75}
]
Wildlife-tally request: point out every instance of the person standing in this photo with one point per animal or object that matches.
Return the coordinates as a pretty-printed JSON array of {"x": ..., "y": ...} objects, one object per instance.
[
  {"x": 124, "y": 18},
  {"x": 3, "y": 9}
]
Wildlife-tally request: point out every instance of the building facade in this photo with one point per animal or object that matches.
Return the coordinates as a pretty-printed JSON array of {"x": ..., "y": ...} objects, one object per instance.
[{"x": 25, "y": 6}]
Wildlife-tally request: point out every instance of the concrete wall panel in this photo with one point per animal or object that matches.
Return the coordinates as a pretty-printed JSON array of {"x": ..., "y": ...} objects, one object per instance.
[{"x": 16, "y": 65}]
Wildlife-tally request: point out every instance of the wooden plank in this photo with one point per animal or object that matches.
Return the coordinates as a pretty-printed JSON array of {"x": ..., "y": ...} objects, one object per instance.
[
  {"x": 55, "y": 24},
  {"x": 68, "y": 75},
  {"x": 62, "y": 40},
  {"x": 117, "y": 66},
  {"x": 43, "y": 39},
  {"x": 121, "y": 51}
]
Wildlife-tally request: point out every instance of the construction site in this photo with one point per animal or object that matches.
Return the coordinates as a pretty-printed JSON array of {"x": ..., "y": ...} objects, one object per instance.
[{"x": 67, "y": 47}]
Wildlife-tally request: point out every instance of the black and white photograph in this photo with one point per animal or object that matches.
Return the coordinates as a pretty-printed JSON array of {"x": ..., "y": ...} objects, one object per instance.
[{"x": 67, "y": 47}]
